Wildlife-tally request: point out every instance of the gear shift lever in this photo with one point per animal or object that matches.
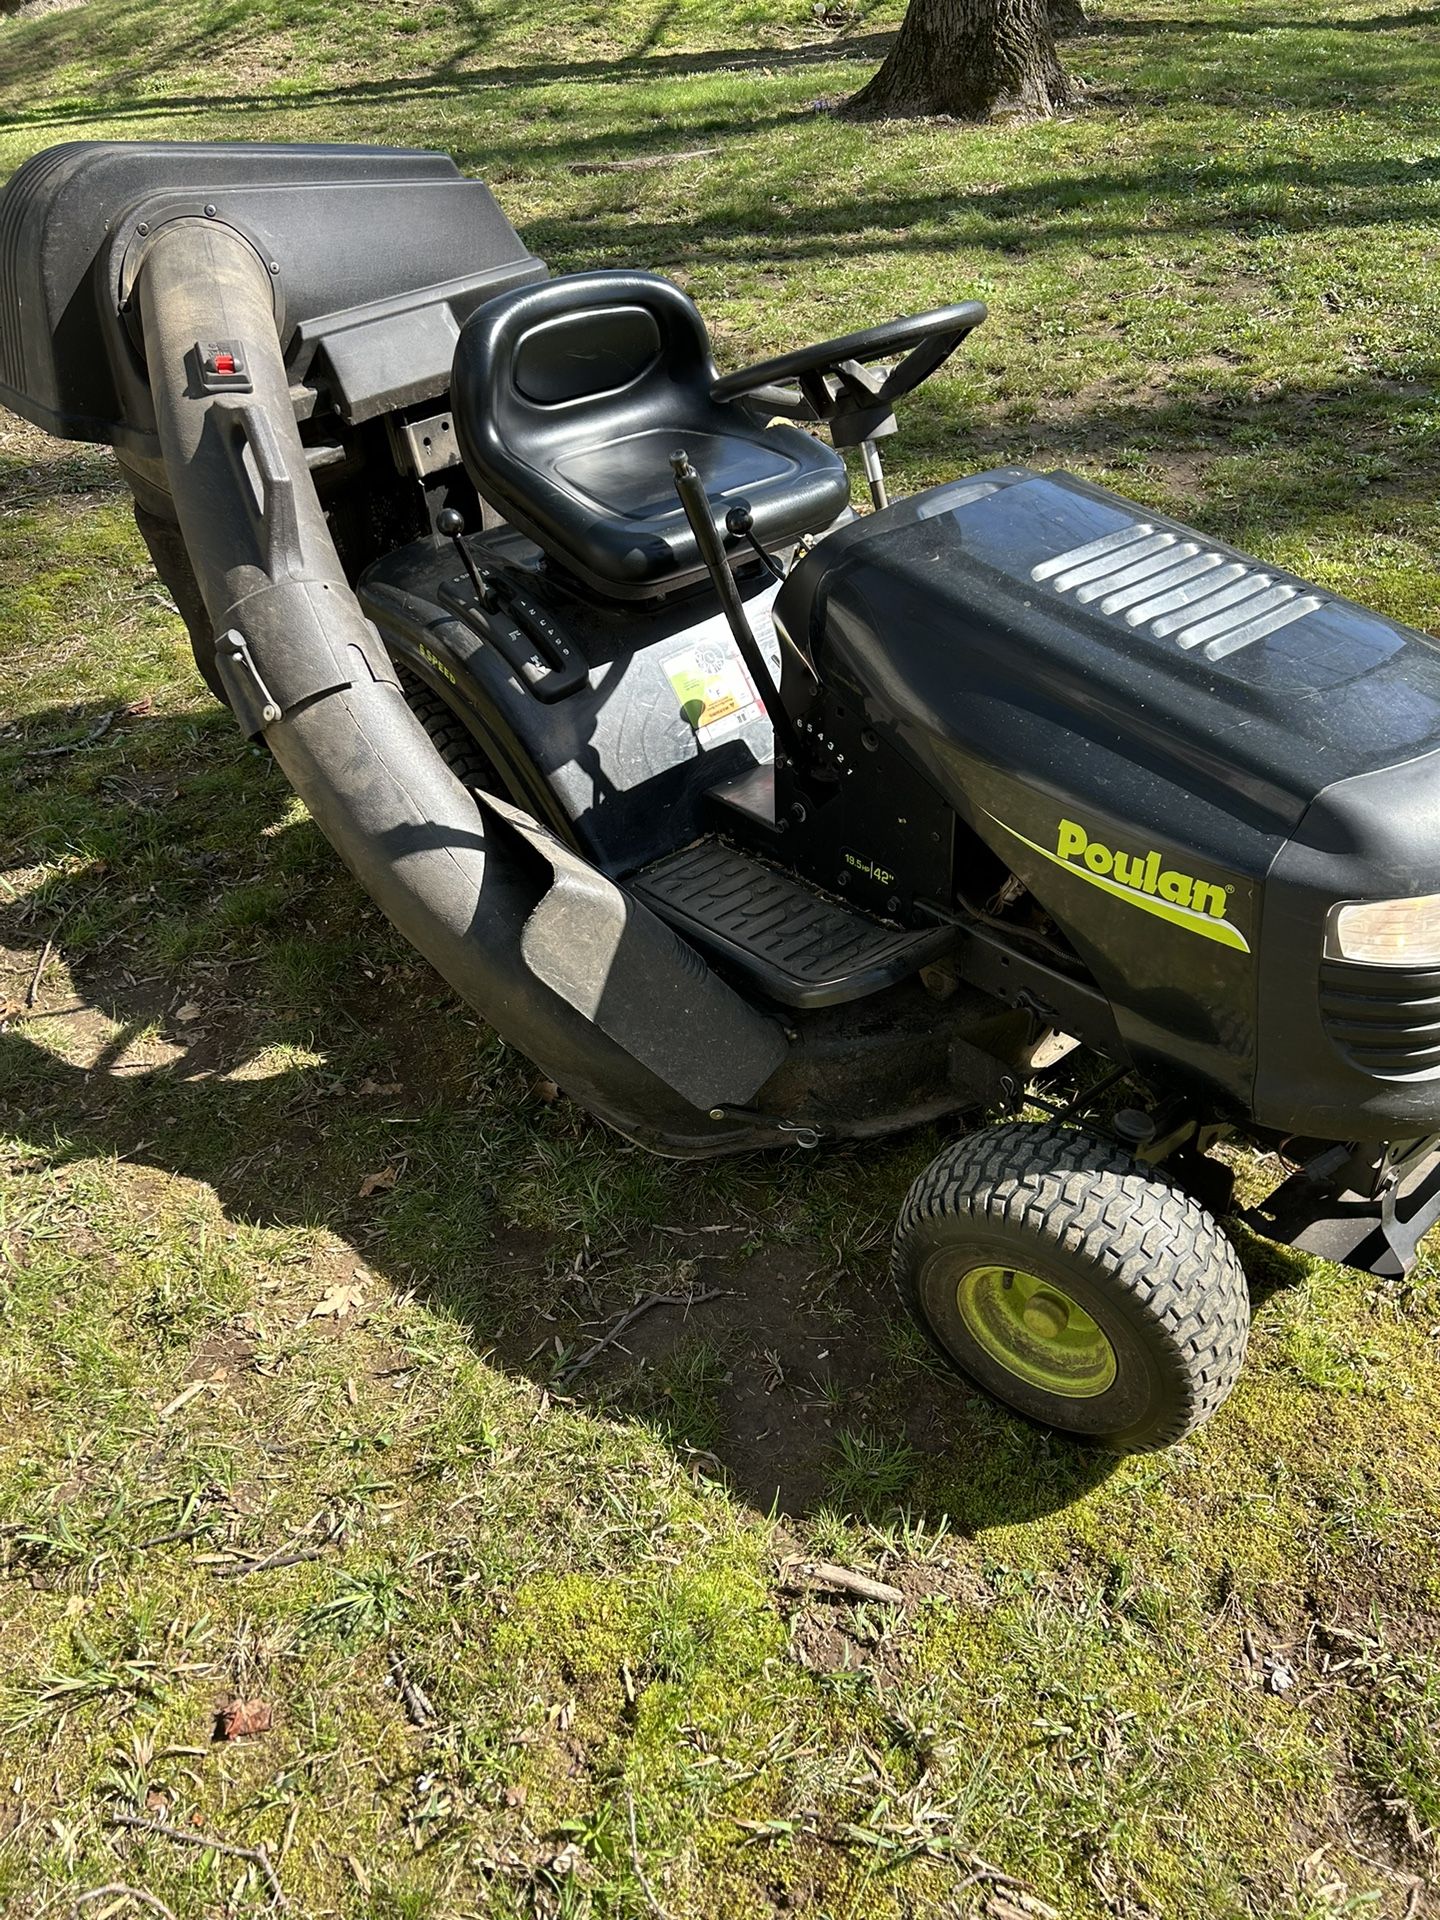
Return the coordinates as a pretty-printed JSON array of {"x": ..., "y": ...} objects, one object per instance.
[{"x": 451, "y": 524}]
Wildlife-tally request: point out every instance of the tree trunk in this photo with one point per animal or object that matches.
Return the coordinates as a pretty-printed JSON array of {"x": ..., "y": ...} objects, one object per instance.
[
  {"x": 970, "y": 59},
  {"x": 1067, "y": 16}
]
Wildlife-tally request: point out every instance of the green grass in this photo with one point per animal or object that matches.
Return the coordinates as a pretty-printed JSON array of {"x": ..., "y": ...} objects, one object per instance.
[{"x": 1215, "y": 288}]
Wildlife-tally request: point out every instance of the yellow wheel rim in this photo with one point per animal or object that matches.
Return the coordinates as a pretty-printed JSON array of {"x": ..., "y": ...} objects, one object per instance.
[{"x": 1036, "y": 1331}]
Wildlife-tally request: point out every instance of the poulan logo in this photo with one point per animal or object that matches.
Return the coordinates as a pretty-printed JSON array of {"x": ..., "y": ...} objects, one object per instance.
[
  {"x": 1142, "y": 872},
  {"x": 1142, "y": 880}
]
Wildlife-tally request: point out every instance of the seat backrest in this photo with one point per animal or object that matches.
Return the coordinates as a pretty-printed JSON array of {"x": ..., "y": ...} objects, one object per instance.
[{"x": 589, "y": 357}]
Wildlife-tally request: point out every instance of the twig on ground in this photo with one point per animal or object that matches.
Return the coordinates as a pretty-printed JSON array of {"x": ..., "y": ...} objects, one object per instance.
[
  {"x": 645, "y": 1887},
  {"x": 32, "y": 992},
  {"x": 642, "y": 163},
  {"x": 257, "y": 1856},
  {"x": 292, "y": 1558},
  {"x": 1024, "y": 1906},
  {"x": 1412, "y": 1883},
  {"x": 102, "y": 725},
  {"x": 417, "y": 1702},
  {"x": 117, "y": 1889},
  {"x": 183, "y": 1399},
  {"x": 169, "y": 1539},
  {"x": 630, "y": 1317},
  {"x": 823, "y": 1573}
]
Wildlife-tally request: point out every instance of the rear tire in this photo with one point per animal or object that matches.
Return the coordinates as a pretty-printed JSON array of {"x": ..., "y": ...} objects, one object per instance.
[
  {"x": 449, "y": 735},
  {"x": 1081, "y": 1288}
]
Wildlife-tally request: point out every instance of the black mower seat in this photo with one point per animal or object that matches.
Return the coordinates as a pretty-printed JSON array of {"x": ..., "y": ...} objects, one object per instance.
[{"x": 569, "y": 398}]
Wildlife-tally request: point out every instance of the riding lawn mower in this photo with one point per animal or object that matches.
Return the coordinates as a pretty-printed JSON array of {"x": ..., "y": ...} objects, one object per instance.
[{"x": 754, "y": 820}]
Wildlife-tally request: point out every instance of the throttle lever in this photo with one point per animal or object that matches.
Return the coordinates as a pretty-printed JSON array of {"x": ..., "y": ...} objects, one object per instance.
[{"x": 740, "y": 523}]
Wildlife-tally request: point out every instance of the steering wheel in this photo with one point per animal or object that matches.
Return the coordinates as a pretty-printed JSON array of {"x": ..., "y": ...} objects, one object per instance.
[{"x": 833, "y": 379}]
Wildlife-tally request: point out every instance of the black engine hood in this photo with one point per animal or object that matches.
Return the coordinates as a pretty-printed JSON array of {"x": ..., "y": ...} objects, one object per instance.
[
  {"x": 1040, "y": 595},
  {"x": 1185, "y": 755}
]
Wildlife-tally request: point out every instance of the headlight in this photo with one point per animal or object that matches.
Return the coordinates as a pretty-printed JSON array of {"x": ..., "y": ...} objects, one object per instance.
[{"x": 1387, "y": 933}]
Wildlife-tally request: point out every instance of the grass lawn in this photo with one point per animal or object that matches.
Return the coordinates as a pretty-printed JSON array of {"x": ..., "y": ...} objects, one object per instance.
[{"x": 1201, "y": 1684}]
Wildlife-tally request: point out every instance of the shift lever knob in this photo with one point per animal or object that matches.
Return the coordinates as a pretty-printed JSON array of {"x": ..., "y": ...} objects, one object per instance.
[{"x": 452, "y": 524}]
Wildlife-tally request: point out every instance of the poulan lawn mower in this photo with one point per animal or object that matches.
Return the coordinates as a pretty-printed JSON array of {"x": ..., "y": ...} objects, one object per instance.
[{"x": 754, "y": 821}]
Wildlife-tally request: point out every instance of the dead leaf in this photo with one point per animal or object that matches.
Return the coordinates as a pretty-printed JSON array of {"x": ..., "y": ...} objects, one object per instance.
[
  {"x": 242, "y": 1717},
  {"x": 142, "y": 705},
  {"x": 546, "y": 1091},
  {"x": 336, "y": 1302},
  {"x": 190, "y": 1011},
  {"x": 515, "y": 1796},
  {"x": 380, "y": 1182}
]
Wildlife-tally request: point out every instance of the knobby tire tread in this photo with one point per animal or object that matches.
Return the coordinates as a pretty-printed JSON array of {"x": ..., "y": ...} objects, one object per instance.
[{"x": 1085, "y": 1194}]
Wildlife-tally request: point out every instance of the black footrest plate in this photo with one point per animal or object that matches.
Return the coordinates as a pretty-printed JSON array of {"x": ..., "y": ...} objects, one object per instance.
[{"x": 803, "y": 949}]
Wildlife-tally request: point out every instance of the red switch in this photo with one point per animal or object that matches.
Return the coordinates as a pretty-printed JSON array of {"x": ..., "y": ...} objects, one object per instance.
[{"x": 220, "y": 368}]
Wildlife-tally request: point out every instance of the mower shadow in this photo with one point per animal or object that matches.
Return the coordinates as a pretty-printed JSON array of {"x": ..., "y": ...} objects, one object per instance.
[{"x": 800, "y": 1376}]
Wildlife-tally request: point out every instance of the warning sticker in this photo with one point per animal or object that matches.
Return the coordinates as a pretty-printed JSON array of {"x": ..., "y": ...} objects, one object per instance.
[{"x": 716, "y": 694}]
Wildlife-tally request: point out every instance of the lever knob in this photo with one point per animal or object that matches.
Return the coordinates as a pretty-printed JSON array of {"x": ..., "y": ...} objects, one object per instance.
[{"x": 451, "y": 524}]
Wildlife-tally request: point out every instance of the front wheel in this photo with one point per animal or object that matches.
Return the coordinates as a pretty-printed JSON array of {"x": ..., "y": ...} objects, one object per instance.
[{"x": 1081, "y": 1288}]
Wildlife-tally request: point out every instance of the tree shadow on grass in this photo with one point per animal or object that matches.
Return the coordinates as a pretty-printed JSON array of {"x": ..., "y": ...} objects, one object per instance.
[
  {"x": 466, "y": 75},
  {"x": 1111, "y": 26},
  {"x": 1082, "y": 210},
  {"x": 1358, "y": 451},
  {"x": 453, "y": 81},
  {"x": 801, "y": 1378}
]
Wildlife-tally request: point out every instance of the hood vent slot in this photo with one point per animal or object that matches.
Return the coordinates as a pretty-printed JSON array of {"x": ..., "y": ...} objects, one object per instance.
[{"x": 1177, "y": 589}]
